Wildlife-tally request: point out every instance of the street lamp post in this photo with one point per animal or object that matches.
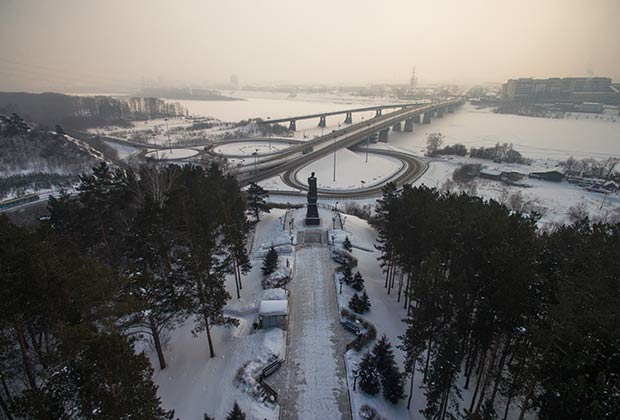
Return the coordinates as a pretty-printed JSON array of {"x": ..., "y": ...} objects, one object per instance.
[
  {"x": 341, "y": 281},
  {"x": 168, "y": 134},
  {"x": 334, "y": 177},
  {"x": 356, "y": 374},
  {"x": 255, "y": 154},
  {"x": 367, "y": 142}
]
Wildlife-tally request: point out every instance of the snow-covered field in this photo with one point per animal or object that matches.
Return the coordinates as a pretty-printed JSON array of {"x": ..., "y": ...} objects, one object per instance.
[
  {"x": 553, "y": 198},
  {"x": 249, "y": 147},
  {"x": 171, "y": 153},
  {"x": 352, "y": 170}
]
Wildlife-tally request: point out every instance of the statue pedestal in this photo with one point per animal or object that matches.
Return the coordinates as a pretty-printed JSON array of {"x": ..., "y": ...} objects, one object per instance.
[{"x": 312, "y": 216}]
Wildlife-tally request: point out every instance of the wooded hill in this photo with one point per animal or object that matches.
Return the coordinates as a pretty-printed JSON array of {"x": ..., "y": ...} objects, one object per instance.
[
  {"x": 37, "y": 159},
  {"x": 81, "y": 112}
]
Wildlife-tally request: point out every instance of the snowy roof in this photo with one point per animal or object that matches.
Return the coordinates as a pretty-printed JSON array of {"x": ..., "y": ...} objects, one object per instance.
[
  {"x": 273, "y": 307},
  {"x": 274, "y": 294}
]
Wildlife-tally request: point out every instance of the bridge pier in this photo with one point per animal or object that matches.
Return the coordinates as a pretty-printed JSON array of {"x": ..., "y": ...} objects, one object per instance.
[
  {"x": 409, "y": 125},
  {"x": 440, "y": 112},
  {"x": 416, "y": 119},
  {"x": 292, "y": 126},
  {"x": 427, "y": 117},
  {"x": 450, "y": 109},
  {"x": 378, "y": 113},
  {"x": 348, "y": 119},
  {"x": 396, "y": 127},
  {"x": 322, "y": 121},
  {"x": 383, "y": 135}
]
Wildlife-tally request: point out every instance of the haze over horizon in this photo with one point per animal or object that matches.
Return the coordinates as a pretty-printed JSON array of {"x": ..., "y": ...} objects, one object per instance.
[{"x": 115, "y": 45}]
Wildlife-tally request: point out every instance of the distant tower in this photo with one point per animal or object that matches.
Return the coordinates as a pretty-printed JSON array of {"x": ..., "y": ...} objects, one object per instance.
[{"x": 413, "y": 81}]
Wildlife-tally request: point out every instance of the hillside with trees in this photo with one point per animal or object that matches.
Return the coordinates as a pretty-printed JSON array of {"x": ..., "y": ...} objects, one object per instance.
[
  {"x": 133, "y": 253},
  {"x": 31, "y": 158},
  {"x": 81, "y": 112}
]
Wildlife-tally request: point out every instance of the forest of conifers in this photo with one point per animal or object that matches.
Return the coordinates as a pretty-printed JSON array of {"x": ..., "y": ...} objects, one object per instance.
[
  {"x": 133, "y": 253},
  {"x": 499, "y": 307}
]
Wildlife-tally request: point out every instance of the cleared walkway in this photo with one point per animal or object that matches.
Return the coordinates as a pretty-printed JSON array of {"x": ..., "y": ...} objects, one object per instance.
[{"x": 311, "y": 383}]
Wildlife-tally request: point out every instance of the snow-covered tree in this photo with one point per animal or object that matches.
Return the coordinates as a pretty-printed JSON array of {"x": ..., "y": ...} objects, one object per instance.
[
  {"x": 368, "y": 375},
  {"x": 257, "y": 200},
  {"x": 270, "y": 262},
  {"x": 347, "y": 244},
  {"x": 236, "y": 413},
  {"x": 358, "y": 282}
]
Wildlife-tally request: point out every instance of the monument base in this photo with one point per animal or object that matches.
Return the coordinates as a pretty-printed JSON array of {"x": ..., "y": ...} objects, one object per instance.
[{"x": 312, "y": 216}]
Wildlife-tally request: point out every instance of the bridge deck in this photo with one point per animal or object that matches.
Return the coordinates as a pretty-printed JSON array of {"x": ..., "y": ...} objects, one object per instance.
[{"x": 344, "y": 111}]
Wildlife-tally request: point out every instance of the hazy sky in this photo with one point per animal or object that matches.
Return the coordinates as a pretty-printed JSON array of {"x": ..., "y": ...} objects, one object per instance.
[{"x": 50, "y": 44}]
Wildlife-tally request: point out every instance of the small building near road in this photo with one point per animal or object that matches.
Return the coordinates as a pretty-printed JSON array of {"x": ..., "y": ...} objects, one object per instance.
[
  {"x": 273, "y": 313},
  {"x": 553, "y": 175},
  {"x": 490, "y": 174}
]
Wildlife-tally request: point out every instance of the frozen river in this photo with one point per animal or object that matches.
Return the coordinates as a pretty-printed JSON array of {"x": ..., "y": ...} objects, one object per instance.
[{"x": 585, "y": 136}]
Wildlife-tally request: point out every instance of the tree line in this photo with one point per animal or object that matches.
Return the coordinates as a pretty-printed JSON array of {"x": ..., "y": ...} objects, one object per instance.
[
  {"x": 80, "y": 112},
  {"x": 135, "y": 252},
  {"x": 524, "y": 319},
  {"x": 501, "y": 152}
]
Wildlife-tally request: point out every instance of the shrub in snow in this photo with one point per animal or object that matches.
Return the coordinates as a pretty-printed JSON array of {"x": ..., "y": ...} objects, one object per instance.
[
  {"x": 343, "y": 257},
  {"x": 277, "y": 279},
  {"x": 362, "y": 340},
  {"x": 369, "y": 413}
]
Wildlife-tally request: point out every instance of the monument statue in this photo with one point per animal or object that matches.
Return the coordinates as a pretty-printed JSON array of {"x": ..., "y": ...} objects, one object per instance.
[{"x": 312, "y": 215}]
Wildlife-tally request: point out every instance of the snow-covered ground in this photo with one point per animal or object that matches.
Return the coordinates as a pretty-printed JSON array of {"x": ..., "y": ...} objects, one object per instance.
[
  {"x": 171, "y": 153},
  {"x": 123, "y": 151},
  {"x": 352, "y": 170},
  {"x": 250, "y": 147},
  {"x": 553, "y": 198}
]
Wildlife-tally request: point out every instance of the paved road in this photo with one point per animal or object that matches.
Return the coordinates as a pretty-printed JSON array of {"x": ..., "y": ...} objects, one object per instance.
[{"x": 311, "y": 383}]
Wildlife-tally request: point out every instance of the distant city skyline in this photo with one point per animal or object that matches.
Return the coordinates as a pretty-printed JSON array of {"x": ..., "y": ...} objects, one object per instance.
[{"x": 116, "y": 45}]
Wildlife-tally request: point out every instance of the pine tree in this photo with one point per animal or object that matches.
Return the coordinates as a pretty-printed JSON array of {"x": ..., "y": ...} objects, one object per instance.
[
  {"x": 16, "y": 125},
  {"x": 355, "y": 304},
  {"x": 347, "y": 244},
  {"x": 365, "y": 302},
  {"x": 59, "y": 131},
  {"x": 197, "y": 210},
  {"x": 236, "y": 413},
  {"x": 358, "y": 282},
  {"x": 368, "y": 375},
  {"x": 347, "y": 274},
  {"x": 257, "y": 200},
  {"x": 270, "y": 262},
  {"x": 393, "y": 386}
]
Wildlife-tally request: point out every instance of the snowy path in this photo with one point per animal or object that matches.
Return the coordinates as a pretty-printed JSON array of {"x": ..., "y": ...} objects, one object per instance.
[{"x": 311, "y": 384}]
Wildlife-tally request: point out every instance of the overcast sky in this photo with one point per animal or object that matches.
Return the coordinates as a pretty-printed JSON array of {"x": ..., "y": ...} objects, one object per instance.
[{"x": 51, "y": 44}]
